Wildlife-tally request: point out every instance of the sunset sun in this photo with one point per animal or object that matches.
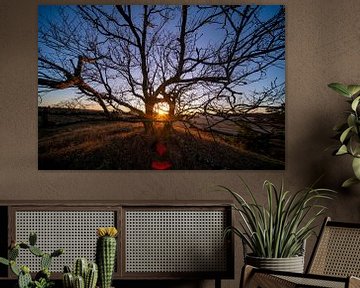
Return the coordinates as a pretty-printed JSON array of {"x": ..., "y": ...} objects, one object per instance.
[{"x": 161, "y": 110}]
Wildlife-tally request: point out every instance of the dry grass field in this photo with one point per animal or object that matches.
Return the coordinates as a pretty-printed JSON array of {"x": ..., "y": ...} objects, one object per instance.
[{"x": 95, "y": 143}]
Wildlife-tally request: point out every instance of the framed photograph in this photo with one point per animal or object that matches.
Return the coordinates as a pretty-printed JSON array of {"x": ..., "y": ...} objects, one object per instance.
[{"x": 180, "y": 87}]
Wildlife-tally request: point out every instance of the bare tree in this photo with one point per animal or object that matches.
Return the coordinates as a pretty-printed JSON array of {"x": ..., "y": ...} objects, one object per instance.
[
  {"x": 196, "y": 59},
  {"x": 71, "y": 104}
]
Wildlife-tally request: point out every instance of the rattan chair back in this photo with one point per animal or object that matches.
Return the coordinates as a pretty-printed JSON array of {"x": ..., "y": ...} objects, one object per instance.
[{"x": 337, "y": 252}]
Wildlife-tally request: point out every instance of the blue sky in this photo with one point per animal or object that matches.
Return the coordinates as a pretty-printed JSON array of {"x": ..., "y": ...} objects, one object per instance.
[{"x": 51, "y": 12}]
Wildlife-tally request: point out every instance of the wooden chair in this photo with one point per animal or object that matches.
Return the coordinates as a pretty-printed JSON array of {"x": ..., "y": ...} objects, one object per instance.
[{"x": 334, "y": 263}]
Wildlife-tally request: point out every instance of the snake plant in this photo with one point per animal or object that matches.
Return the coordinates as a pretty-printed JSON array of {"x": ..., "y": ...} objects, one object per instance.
[
  {"x": 279, "y": 228},
  {"x": 349, "y": 132}
]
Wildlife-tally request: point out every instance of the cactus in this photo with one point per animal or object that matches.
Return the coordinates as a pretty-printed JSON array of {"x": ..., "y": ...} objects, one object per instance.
[
  {"x": 80, "y": 267},
  {"x": 24, "y": 246},
  {"x": 36, "y": 251},
  {"x": 57, "y": 252},
  {"x": 88, "y": 273},
  {"x": 68, "y": 280},
  {"x": 105, "y": 254},
  {"x": 79, "y": 282},
  {"x": 24, "y": 277},
  {"x": 42, "y": 278},
  {"x": 45, "y": 261},
  {"x": 25, "y": 269},
  {"x": 91, "y": 276},
  {"x": 13, "y": 253},
  {"x": 67, "y": 269},
  {"x": 14, "y": 268},
  {"x": 32, "y": 238},
  {"x": 43, "y": 274}
]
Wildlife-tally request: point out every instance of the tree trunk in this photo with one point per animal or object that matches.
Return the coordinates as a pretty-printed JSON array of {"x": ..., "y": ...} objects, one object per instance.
[
  {"x": 171, "y": 109},
  {"x": 149, "y": 117},
  {"x": 168, "y": 126}
]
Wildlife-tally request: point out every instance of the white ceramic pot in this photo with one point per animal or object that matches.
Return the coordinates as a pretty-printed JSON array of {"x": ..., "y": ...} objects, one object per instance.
[{"x": 291, "y": 264}]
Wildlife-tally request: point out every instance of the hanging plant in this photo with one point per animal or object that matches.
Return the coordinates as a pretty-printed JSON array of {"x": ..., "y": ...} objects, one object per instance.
[{"x": 349, "y": 132}]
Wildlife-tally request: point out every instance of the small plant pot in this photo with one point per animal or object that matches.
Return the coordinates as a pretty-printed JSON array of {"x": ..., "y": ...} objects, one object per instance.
[{"x": 291, "y": 264}]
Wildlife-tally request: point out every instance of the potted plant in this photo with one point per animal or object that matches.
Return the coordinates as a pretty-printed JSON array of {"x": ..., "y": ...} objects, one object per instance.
[
  {"x": 106, "y": 254},
  {"x": 276, "y": 233},
  {"x": 87, "y": 274},
  {"x": 349, "y": 132},
  {"x": 42, "y": 278},
  {"x": 84, "y": 274}
]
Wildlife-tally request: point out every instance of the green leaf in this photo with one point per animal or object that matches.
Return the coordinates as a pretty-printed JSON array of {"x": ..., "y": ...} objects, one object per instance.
[
  {"x": 340, "y": 88},
  {"x": 353, "y": 89},
  {"x": 355, "y": 103},
  {"x": 351, "y": 120},
  {"x": 356, "y": 151},
  {"x": 354, "y": 144},
  {"x": 342, "y": 150},
  {"x": 345, "y": 134},
  {"x": 356, "y": 167},
  {"x": 349, "y": 182}
]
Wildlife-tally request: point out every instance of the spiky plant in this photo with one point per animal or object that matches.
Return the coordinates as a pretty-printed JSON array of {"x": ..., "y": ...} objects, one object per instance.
[
  {"x": 91, "y": 276},
  {"x": 80, "y": 267},
  {"x": 106, "y": 254},
  {"x": 42, "y": 278},
  {"x": 84, "y": 274},
  {"x": 279, "y": 229}
]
